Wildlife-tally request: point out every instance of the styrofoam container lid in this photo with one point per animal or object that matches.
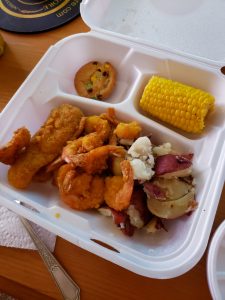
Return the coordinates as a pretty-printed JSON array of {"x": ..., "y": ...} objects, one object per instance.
[
  {"x": 216, "y": 264},
  {"x": 194, "y": 28}
]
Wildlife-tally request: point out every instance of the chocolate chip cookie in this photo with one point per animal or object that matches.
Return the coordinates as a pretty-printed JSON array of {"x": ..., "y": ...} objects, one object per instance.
[{"x": 95, "y": 80}]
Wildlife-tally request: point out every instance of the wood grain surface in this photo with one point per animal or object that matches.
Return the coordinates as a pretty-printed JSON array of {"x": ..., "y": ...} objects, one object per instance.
[{"x": 22, "y": 272}]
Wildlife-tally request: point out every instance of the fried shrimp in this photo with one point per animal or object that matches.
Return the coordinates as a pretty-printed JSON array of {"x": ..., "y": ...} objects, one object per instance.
[
  {"x": 96, "y": 132},
  {"x": 82, "y": 145},
  {"x": 45, "y": 145},
  {"x": 110, "y": 116},
  {"x": 96, "y": 160},
  {"x": 20, "y": 140},
  {"x": 118, "y": 189},
  {"x": 80, "y": 191},
  {"x": 98, "y": 125}
]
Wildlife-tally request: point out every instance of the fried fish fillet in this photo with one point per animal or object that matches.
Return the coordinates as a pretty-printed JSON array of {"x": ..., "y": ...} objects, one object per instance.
[{"x": 45, "y": 145}]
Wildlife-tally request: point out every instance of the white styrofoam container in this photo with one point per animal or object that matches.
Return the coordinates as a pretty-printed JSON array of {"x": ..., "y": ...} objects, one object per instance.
[
  {"x": 216, "y": 264},
  {"x": 136, "y": 55}
]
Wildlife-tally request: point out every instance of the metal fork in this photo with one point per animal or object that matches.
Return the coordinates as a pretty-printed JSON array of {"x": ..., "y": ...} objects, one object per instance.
[{"x": 68, "y": 288}]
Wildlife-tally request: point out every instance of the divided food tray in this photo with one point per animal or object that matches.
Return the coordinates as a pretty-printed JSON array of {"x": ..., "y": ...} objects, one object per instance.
[{"x": 161, "y": 255}]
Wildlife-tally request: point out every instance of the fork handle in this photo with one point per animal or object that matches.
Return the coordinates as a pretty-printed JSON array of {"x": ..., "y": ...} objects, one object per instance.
[{"x": 68, "y": 288}]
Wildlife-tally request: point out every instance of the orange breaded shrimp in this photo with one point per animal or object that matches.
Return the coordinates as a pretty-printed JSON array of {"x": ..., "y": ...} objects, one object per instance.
[
  {"x": 113, "y": 139},
  {"x": 98, "y": 125},
  {"x": 110, "y": 115},
  {"x": 128, "y": 131},
  {"x": 96, "y": 160},
  {"x": 118, "y": 189},
  {"x": 80, "y": 191},
  {"x": 97, "y": 132},
  {"x": 82, "y": 145},
  {"x": 20, "y": 140},
  {"x": 64, "y": 170}
]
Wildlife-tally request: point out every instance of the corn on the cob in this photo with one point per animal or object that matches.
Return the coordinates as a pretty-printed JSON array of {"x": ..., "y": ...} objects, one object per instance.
[{"x": 180, "y": 105}]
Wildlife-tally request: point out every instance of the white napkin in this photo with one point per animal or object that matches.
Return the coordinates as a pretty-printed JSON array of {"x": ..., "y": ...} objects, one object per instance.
[
  {"x": 3, "y": 296},
  {"x": 13, "y": 234}
]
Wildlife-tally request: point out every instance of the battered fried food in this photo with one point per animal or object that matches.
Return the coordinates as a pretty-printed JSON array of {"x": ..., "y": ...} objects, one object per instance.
[
  {"x": 82, "y": 145},
  {"x": 80, "y": 191},
  {"x": 110, "y": 115},
  {"x": 96, "y": 132},
  {"x": 99, "y": 162},
  {"x": 42, "y": 175},
  {"x": 80, "y": 129},
  {"x": 119, "y": 189},
  {"x": 98, "y": 125},
  {"x": 45, "y": 145},
  {"x": 20, "y": 140},
  {"x": 96, "y": 160}
]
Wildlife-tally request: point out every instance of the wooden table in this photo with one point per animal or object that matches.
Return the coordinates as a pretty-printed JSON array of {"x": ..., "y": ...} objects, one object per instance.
[{"x": 22, "y": 272}]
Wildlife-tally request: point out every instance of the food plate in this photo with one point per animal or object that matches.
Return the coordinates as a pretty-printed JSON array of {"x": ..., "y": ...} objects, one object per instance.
[
  {"x": 162, "y": 255},
  {"x": 215, "y": 264}
]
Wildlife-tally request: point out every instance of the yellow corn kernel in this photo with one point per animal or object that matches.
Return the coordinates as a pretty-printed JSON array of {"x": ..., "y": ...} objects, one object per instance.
[{"x": 186, "y": 106}]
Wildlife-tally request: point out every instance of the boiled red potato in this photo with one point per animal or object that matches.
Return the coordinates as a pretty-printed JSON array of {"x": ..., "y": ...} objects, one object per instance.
[
  {"x": 173, "y": 165},
  {"x": 170, "y": 198}
]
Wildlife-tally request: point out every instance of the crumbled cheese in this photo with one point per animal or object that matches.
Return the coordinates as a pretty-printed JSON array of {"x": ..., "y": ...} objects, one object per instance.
[
  {"x": 163, "y": 149},
  {"x": 142, "y": 170},
  {"x": 135, "y": 218},
  {"x": 141, "y": 158},
  {"x": 151, "y": 161},
  {"x": 141, "y": 147}
]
